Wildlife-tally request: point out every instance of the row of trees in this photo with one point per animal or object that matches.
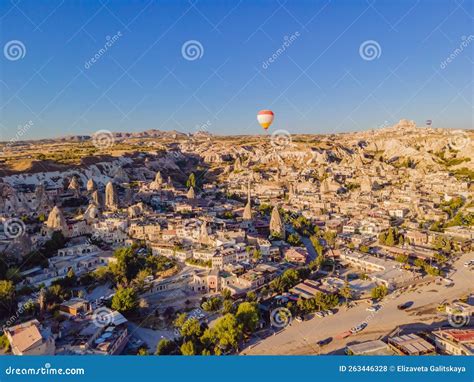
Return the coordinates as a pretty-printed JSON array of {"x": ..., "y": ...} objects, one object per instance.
[
  {"x": 224, "y": 336},
  {"x": 321, "y": 301},
  {"x": 391, "y": 237},
  {"x": 131, "y": 267},
  {"x": 429, "y": 269},
  {"x": 288, "y": 279}
]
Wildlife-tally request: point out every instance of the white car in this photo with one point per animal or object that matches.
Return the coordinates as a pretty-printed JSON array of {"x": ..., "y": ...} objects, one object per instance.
[
  {"x": 373, "y": 308},
  {"x": 319, "y": 314},
  {"x": 358, "y": 328}
]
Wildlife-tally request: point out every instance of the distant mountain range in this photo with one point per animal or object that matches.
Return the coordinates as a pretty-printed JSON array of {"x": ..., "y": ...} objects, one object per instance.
[{"x": 152, "y": 133}]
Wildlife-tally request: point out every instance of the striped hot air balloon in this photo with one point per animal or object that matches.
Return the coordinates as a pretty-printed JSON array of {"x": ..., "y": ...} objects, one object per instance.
[
  {"x": 429, "y": 122},
  {"x": 265, "y": 118}
]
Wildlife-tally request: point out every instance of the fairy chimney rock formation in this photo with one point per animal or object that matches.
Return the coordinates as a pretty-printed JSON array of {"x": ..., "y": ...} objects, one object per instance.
[
  {"x": 111, "y": 199},
  {"x": 276, "y": 225}
]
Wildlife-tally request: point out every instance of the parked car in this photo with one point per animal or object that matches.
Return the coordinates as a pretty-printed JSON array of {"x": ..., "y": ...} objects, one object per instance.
[
  {"x": 405, "y": 305},
  {"x": 373, "y": 308},
  {"x": 299, "y": 319},
  {"x": 358, "y": 328},
  {"x": 319, "y": 315},
  {"x": 324, "y": 342}
]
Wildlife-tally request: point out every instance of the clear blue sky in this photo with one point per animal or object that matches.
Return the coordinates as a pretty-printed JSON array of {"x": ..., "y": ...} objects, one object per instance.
[{"x": 318, "y": 84}]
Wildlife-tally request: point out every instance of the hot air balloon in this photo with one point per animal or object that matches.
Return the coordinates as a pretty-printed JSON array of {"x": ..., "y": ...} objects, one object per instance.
[
  {"x": 429, "y": 122},
  {"x": 265, "y": 118}
]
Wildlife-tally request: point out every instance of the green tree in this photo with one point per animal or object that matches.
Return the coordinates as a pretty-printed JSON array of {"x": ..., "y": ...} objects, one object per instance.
[
  {"x": 251, "y": 296},
  {"x": 433, "y": 271},
  {"x": 56, "y": 242},
  {"x": 187, "y": 348},
  {"x": 318, "y": 247},
  {"x": 191, "y": 182},
  {"x": 248, "y": 315},
  {"x": 56, "y": 294},
  {"x": 13, "y": 274},
  {"x": 257, "y": 254},
  {"x": 330, "y": 237},
  {"x": 226, "y": 294},
  {"x": 128, "y": 264},
  {"x": 228, "y": 331},
  {"x": 440, "y": 259},
  {"x": 315, "y": 264},
  {"x": 124, "y": 300},
  {"x": 191, "y": 328},
  {"x": 7, "y": 297},
  {"x": 402, "y": 259},
  {"x": 165, "y": 347},
  {"x": 180, "y": 320},
  {"x": 4, "y": 343},
  {"x": 290, "y": 278},
  {"x": 346, "y": 292},
  {"x": 382, "y": 238},
  {"x": 437, "y": 226},
  {"x": 227, "y": 306},
  {"x": 390, "y": 240},
  {"x": 379, "y": 292},
  {"x": 420, "y": 263},
  {"x": 213, "y": 304},
  {"x": 139, "y": 280},
  {"x": 142, "y": 351},
  {"x": 294, "y": 239},
  {"x": 265, "y": 209},
  {"x": 277, "y": 285}
]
